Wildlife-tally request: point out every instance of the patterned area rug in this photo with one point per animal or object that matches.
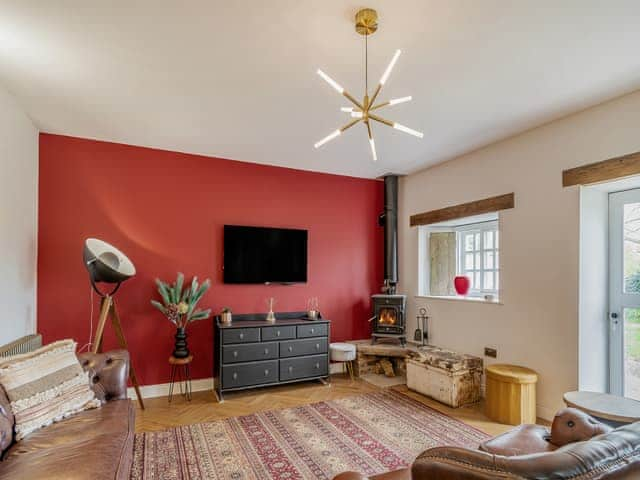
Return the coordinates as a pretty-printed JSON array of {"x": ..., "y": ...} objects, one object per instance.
[{"x": 370, "y": 433}]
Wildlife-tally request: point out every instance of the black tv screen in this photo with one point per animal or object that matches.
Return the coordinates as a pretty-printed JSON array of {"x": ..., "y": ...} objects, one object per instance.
[{"x": 264, "y": 255}]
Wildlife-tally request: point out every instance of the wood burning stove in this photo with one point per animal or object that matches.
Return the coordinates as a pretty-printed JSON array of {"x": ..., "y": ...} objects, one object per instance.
[
  {"x": 389, "y": 309},
  {"x": 389, "y": 317}
]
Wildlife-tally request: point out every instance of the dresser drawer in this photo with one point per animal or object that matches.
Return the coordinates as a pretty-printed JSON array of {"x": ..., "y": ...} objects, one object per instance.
[
  {"x": 249, "y": 352},
  {"x": 245, "y": 374},
  {"x": 240, "y": 335},
  {"x": 312, "y": 330},
  {"x": 278, "y": 333},
  {"x": 301, "y": 367},
  {"x": 297, "y": 348}
]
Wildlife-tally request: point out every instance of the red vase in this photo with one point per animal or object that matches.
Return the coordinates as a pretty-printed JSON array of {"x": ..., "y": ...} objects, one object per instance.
[{"x": 462, "y": 284}]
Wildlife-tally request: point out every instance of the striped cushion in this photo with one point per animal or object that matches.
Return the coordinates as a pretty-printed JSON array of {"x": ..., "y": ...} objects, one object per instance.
[{"x": 45, "y": 386}]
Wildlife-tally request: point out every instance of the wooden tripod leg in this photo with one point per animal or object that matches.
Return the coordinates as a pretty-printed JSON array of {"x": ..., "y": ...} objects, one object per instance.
[
  {"x": 105, "y": 307},
  {"x": 117, "y": 326}
]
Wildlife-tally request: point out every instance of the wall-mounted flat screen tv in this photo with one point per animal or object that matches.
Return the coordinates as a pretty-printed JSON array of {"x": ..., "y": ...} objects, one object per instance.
[{"x": 264, "y": 255}]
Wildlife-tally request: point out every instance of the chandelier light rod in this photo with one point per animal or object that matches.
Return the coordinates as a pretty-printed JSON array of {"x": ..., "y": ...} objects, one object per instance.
[
  {"x": 387, "y": 72},
  {"x": 367, "y": 24}
]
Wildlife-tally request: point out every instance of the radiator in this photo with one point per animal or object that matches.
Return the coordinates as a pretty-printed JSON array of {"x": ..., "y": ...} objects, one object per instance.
[{"x": 22, "y": 345}]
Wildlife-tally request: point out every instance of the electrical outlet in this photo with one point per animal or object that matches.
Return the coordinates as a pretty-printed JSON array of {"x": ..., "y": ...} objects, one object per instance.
[{"x": 490, "y": 352}]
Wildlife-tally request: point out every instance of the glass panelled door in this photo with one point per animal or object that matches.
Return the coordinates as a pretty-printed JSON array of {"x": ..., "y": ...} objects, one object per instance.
[{"x": 624, "y": 292}]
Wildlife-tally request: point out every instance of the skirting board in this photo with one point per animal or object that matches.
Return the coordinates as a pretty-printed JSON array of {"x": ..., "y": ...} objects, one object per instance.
[
  {"x": 162, "y": 389},
  {"x": 200, "y": 385}
]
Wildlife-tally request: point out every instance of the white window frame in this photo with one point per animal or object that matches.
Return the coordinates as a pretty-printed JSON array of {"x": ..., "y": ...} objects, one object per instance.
[
  {"x": 479, "y": 251},
  {"x": 424, "y": 269}
]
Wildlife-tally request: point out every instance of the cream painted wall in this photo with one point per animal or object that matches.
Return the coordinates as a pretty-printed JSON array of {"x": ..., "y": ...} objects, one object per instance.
[
  {"x": 18, "y": 220},
  {"x": 537, "y": 324}
]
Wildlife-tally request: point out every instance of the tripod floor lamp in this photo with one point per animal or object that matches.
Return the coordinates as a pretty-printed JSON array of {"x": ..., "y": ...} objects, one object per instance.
[{"x": 107, "y": 264}]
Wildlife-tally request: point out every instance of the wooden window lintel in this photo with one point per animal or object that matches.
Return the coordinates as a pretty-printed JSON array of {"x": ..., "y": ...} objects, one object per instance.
[
  {"x": 487, "y": 205},
  {"x": 611, "y": 169}
]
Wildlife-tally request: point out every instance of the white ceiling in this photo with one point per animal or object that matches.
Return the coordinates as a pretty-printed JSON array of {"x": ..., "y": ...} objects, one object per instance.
[{"x": 236, "y": 79}]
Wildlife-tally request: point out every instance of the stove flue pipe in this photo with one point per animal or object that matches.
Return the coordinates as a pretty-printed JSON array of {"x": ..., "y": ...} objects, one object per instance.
[{"x": 389, "y": 220}]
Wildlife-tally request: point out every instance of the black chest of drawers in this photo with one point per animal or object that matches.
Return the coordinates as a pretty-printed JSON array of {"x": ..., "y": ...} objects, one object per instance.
[{"x": 252, "y": 352}]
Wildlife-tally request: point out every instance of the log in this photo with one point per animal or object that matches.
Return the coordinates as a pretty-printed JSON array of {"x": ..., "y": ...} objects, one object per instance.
[{"x": 387, "y": 366}]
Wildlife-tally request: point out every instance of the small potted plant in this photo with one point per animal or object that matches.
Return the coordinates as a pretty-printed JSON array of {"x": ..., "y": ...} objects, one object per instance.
[
  {"x": 179, "y": 306},
  {"x": 225, "y": 316}
]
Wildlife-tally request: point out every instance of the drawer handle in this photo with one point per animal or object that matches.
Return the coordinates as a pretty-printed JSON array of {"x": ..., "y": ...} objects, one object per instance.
[
  {"x": 277, "y": 333},
  {"x": 266, "y": 372},
  {"x": 241, "y": 336},
  {"x": 291, "y": 349},
  {"x": 266, "y": 351},
  {"x": 317, "y": 346},
  {"x": 235, "y": 354},
  {"x": 313, "y": 330},
  {"x": 317, "y": 365},
  {"x": 235, "y": 375},
  {"x": 290, "y": 369}
]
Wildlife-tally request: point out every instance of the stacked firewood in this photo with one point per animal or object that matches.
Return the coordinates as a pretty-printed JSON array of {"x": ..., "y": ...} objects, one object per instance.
[{"x": 384, "y": 366}]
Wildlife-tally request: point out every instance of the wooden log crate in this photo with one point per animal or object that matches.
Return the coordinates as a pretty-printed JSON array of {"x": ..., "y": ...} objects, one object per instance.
[{"x": 444, "y": 375}]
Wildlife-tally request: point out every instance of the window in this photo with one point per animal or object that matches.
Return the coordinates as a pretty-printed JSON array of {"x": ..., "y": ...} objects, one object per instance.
[
  {"x": 478, "y": 256},
  {"x": 467, "y": 246}
]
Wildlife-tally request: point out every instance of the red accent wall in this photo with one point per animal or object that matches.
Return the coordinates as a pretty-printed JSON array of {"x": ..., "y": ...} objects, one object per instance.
[{"x": 166, "y": 210}]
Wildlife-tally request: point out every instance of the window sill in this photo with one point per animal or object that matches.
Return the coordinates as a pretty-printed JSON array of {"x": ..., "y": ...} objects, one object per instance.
[{"x": 460, "y": 299}]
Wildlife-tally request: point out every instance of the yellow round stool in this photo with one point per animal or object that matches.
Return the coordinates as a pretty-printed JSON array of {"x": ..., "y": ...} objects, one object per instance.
[{"x": 511, "y": 394}]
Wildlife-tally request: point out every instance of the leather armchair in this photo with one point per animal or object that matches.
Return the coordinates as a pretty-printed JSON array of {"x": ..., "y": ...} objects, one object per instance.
[{"x": 577, "y": 447}]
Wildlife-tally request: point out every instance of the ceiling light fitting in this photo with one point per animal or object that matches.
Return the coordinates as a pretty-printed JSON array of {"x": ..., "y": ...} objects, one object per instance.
[{"x": 367, "y": 24}]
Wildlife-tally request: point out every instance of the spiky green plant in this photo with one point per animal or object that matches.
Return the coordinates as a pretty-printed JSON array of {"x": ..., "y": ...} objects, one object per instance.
[{"x": 179, "y": 303}]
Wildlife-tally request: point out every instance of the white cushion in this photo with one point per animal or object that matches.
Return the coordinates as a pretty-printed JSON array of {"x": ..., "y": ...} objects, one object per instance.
[{"x": 342, "y": 352}]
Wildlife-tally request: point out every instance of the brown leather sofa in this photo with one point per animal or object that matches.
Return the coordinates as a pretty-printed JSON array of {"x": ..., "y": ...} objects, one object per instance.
[
  {"x": 95, "y": 444},
  {"x": 578, "y": 447}
]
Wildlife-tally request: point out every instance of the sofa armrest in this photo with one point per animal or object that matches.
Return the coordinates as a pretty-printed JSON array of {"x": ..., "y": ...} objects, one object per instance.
[
  {"x": 572, "y": 425},
  {"x": 402, "y": 474},
  {"x": 108, "y": 373},
  {"x": 350, "y": 476},
  {"x": 456, "y": 463}
]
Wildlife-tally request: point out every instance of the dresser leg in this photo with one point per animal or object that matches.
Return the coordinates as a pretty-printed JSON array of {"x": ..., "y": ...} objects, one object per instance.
[
  {"x": 219, "y": 397},
  {"x": 324, "y": 382}
]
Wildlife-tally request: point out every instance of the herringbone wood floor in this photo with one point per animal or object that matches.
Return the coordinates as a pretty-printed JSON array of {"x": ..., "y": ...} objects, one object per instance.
[{"x": 159, "y": 414}]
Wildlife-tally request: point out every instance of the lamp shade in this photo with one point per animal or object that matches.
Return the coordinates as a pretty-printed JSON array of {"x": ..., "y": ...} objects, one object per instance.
[{"x": 106, "y": 263}]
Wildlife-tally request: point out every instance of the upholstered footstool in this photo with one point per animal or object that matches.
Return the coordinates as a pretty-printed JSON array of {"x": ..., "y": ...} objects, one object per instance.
[{"x": 344, "y": 353}]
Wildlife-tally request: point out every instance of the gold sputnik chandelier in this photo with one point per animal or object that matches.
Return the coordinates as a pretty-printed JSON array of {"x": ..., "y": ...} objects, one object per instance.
[{"x": 367, "y": 24}]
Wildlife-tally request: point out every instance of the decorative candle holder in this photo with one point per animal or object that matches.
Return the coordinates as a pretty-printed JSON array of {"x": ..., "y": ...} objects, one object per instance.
[
  {"x": 226, "y": 316},
  {"x": 313, "y": 309},
  {"x": 271, "y": 316}
]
